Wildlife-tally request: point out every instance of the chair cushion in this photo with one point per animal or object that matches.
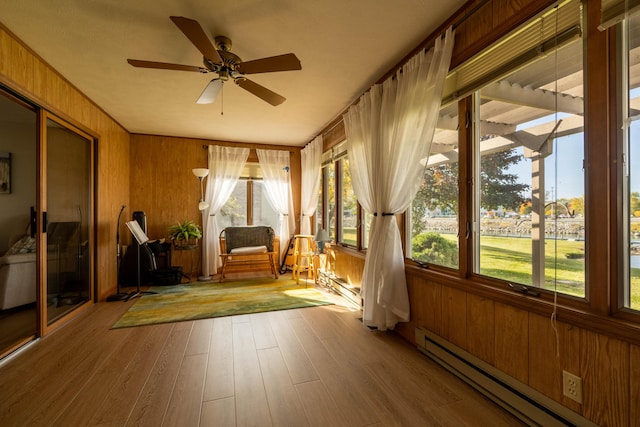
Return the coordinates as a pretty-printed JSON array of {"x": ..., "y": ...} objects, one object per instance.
[{"x": 249, "y": 250}]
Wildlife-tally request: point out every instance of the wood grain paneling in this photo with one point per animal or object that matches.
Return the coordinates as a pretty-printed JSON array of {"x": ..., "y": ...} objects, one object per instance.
[
  {"x": 512, "y": 341},
  {"x": 480, "y": 328},
  {"x": 634, "y": 379},
  {"x": 454, "y": 316},
  {"x": 549, "y": 355},
  {"x": 605, "y": 379},
  {"x": 347, "y": 267}
]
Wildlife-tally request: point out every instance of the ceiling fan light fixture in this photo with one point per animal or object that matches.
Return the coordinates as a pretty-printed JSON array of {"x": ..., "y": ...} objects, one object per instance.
[{"x": 210, "y": 92}]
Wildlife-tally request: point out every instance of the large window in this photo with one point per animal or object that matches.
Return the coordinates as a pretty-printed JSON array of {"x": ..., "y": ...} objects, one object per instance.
[
  {"x": 632, "y": 168},
  {"x": 529, "y": 173},
  {"x": 348, "y": 206},
  {"x": 433, "y": 216},
  {"x": 248, "y": 204}
]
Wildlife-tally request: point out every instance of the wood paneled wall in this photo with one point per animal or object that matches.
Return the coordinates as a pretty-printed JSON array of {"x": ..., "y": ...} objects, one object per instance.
[
  {"x": 22, "y": 71},
  {"x": 163, "y": 186}
]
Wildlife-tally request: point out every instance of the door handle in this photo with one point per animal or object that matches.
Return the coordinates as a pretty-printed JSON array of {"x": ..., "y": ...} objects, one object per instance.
[{"x": 32, "y": 222}]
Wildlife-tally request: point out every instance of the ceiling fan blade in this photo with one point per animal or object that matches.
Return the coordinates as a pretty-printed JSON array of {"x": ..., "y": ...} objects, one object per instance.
[
  {"x": 165, "y": 66},
  {"x": 260, "y": 91},
  {"x": 210, "y": 92},
  {"x": 198, "y": 37},
  {"x": 286, "y": 62}
]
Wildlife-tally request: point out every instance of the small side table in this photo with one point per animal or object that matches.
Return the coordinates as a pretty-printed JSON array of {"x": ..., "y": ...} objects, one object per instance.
[{"x": 183, "y": 249}]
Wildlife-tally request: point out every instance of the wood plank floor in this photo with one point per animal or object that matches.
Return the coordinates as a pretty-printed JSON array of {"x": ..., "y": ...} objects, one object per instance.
[{"x": 306, "y": 367}]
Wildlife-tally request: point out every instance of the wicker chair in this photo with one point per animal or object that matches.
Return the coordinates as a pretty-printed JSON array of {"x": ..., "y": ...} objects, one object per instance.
[{"x": 248, "y": 246}]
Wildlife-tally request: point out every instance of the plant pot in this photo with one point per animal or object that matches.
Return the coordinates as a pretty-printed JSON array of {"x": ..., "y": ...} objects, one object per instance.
[{"x": 184, "y": 244}]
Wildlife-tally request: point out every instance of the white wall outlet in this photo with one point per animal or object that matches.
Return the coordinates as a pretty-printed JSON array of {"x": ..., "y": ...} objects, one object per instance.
[{"x": 572, "y": 386}]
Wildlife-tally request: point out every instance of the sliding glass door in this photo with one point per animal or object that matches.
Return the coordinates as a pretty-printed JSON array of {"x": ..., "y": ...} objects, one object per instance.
[
  {"x": 46, "y": 221},
  {"x": 68, "y": 219}
]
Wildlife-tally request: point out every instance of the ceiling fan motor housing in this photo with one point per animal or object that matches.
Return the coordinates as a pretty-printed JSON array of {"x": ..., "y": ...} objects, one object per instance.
[{"x": 230, "y": 61}]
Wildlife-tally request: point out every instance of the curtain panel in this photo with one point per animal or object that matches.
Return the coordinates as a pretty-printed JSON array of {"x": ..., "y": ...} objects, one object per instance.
[
  {"x": 275, "y": 167},
  {"x": 225, "y": 167},
  {"x": 389, "y": 134},
  {"x": 311, "y": 159}
]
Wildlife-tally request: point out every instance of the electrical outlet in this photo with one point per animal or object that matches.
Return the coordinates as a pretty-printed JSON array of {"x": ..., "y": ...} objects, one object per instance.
[{"x": 572, "y": 386}]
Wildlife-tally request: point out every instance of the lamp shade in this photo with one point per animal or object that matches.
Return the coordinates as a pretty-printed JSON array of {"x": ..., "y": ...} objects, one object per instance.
[
  {"x": 322, "y": 235},
  {"x": 200, "y": 172}
]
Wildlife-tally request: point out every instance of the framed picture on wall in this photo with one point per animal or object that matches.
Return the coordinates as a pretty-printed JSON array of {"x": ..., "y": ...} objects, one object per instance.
[{"x": 5, "y": 173}]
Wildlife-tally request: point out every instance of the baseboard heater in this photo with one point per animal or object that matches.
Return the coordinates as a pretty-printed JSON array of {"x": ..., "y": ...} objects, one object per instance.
[
  {"x": 525, "y": 403},
  {"x": 349, "y": 292}
]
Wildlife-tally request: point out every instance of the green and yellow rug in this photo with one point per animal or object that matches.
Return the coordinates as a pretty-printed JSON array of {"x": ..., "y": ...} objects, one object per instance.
[{"x": 192, "y": 301}]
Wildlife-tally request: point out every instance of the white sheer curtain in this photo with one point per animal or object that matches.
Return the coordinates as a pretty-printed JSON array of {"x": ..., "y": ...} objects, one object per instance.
[
  {"x": 275, "y": 167},
  {"x": 225, "y": 167},
  {"x": 388, "y": 133},
  {"x": 311, "y": 159}
]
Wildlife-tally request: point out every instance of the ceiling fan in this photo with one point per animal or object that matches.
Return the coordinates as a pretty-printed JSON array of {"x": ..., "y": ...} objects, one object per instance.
[{"x": 227, "y": 65}]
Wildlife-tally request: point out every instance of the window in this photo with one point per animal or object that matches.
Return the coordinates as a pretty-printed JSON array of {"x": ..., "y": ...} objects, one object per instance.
[
  {"x": 348, "y": 206},
  {"x": 338, "y": 210},
  {"x": 529, "y": 195},
  {"x": 329, "y": 174},
  {"x": 319, "y": 220},
  {"x": 248, "y": 204},
  {"x": 433, "y": 216},
  {"x": 631, "y": 99}
]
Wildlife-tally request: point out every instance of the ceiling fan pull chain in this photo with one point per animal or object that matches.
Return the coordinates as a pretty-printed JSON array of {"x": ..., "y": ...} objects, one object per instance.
[{"x": 222, "y": 100}]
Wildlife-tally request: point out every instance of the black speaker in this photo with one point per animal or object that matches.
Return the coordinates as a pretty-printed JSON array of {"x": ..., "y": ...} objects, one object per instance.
[{"x": 141, "y": 218}]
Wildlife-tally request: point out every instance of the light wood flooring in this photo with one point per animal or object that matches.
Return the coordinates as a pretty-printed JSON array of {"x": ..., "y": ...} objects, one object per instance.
[{"x": 306, "y": 367}]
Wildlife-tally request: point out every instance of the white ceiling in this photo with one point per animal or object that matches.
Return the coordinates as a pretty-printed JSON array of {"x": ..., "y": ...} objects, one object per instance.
[{"x": 344, "y": 47}]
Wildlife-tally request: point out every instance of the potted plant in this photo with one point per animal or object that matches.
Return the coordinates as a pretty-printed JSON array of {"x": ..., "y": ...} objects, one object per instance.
[{"x": 185, "y": 234}]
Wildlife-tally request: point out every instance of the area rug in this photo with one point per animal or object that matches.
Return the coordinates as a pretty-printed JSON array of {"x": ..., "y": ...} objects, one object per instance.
[{"x": 192, "y": 301}]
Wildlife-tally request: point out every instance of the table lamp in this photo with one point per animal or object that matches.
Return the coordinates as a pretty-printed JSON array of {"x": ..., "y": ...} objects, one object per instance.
[{"x": 321, "y": 237}]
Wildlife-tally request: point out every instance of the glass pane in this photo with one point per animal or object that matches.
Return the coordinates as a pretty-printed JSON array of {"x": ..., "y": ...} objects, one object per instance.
[
  {"x": 17, "y": 247},
  {"x": 330, "y": 221},
  {"x": 632, "y": 299},
  {"x": 319, "y": 214},
  {"x": 263, "y": 212},
  {"x": 69, "y": 217},
  {"x": 433, "y": 217},
  {"x": 530, "y": 205},
  {"x": 234, "y": 212},
  {"x": 349, "y": 206}
]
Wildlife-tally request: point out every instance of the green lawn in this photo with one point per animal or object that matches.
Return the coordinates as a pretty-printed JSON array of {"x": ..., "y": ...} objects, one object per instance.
[{"x": 510, "y": 259}]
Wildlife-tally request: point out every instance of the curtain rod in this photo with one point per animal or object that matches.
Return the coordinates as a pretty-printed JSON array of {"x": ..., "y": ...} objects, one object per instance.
[{"x": 206, "y": 147}]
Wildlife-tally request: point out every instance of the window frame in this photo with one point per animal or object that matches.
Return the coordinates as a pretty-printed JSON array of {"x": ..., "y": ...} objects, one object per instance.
[{"x": 337, "y": 163}]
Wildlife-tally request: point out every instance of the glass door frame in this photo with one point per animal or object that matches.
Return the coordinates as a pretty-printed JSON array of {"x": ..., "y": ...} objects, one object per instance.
[{"x": 43, "y": 327}]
